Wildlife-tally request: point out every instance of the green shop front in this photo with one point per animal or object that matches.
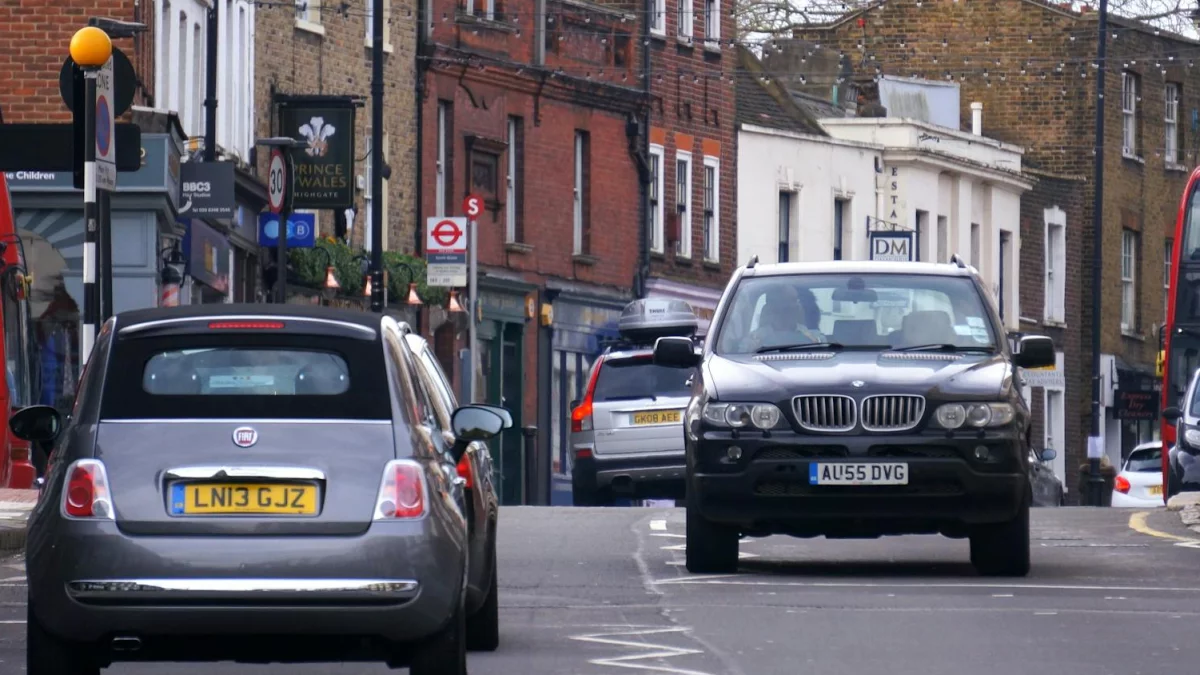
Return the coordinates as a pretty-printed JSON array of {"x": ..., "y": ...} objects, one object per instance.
[{"x": 503, "y": 313}]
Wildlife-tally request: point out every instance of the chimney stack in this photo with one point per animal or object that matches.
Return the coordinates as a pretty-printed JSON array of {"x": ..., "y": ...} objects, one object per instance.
[{"x": 977, "y": 118}]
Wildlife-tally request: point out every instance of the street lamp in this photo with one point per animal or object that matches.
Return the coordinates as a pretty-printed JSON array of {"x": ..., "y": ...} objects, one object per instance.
[
  {"x": 455, "y": 306},
  {"x": 330, "y": 285},
  {"x": 1095, "y": 483},
  {"x": 413, "y": 298}
]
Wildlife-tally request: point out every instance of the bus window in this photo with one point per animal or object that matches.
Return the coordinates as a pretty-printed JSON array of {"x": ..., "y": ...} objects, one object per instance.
[
  {"x": 16, "y": 341},
  {"x": 1191, "y": 229},
  {"x": 1184, "y": 360}
]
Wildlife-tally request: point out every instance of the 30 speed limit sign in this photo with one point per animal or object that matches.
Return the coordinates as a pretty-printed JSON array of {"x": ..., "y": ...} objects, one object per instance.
[{"x": 276, "y": 181}]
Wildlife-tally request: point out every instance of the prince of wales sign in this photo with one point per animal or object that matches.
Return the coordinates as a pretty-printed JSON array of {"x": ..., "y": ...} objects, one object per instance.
[{"x": 324, "y": 159}]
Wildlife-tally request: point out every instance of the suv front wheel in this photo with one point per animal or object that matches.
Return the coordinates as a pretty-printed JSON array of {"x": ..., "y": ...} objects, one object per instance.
[
  {"x": 1002, "y": 549},
  {"x": 711, "y": 548}
]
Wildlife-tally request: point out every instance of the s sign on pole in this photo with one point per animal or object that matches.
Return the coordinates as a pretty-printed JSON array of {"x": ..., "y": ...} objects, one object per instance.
[{"x": 472, "y": 207}]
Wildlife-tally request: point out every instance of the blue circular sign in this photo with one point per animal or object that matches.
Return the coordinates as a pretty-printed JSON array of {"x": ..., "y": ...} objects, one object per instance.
[{"x": 103, "y": 127}]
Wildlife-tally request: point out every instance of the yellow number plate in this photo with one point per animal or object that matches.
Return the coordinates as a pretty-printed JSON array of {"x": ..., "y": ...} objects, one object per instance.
[
  {"x": 188, "y": 499},
  {"x": 657, "y": 417},
  {"x": 1155, "y": 489}
]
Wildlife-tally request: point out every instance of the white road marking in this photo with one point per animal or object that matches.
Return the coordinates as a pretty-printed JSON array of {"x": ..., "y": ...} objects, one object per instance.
[
  {"x": 730, "y": 580},
  {"x": 1045, "y": 613},
  {"x": 11, "y": 579},
  {"x": 13, "y": 621},
  {"x": 659, "y": 525},
  {"x": 633, "y": 660},
  {"x": 671, "y": 535},
  {"x": 1002, "y": 595}
]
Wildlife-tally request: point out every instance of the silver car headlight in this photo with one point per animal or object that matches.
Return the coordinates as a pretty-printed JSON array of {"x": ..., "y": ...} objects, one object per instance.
[
  {"x": 974, "y": 415},
  {"x": 740, "y": 415}
]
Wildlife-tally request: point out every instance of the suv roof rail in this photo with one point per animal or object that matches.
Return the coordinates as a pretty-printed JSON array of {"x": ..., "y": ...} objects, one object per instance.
[
  {"x": 753, "y": 261},
  {"x": 957, "y": 260}
]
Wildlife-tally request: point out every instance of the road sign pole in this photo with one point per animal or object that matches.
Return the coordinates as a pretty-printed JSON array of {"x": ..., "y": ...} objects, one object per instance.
[
  {"x": 91, "y": 216},
  {"x": 285, "y": 213},
  {"x": 105, "y": 254},
  {"x": 472, "y": 304}
]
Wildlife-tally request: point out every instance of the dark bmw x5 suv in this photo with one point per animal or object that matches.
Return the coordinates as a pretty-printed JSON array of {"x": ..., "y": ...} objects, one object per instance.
[{"x": 857, "y": 399}]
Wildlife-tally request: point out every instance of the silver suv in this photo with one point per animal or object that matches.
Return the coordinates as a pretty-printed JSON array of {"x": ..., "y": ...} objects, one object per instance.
[{"x": 627, "y": 431}]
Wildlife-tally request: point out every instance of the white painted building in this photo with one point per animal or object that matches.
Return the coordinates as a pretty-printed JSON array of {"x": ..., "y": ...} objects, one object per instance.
[
  {"x": 180, "y": 47},
  {"x": 805, "y": 197}
]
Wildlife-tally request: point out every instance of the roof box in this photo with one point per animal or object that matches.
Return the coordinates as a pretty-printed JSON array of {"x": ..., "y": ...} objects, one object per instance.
[{"x": 649, "y": 319}]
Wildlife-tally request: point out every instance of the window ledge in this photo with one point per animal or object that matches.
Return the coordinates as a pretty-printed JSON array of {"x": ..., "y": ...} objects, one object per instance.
[
  {"x": 484, "y": 22},
  {"x": 1132, "y": 157},
  {"x": 658, "y": 255},
  {"x": 1172, "y": 166},
  {"x": 712, "y": 264},
  {"x": 1125, "y": 332},
  {"x": 1054, "y": 323},
  {"x": 584, "y": 259},
  {"x": 683, "y": 260},
  {"x": 712, "y": 45},
  {"x": 518, "y": 247},
  {"x": 387, "y": 46},
  {"x": 310, "y": 27},
  {"x": 686, "y": 41},
  {"x": 659, "y": 33}
]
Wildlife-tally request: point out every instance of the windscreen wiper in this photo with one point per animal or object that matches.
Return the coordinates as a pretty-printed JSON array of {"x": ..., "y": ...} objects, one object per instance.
[
  {"x": 800, "y": 347},
  {"x": 942, "y": 347}
]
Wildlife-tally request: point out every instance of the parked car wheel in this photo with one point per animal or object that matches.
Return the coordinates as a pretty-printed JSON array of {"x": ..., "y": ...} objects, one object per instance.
[
  {"x": 446, "y": 652},
  {"x": 1002, "y": 550},
  {"x": 711, "y": 548},
  {"x": 49, "y": 655},
  {"x": 483, "y": 627}
]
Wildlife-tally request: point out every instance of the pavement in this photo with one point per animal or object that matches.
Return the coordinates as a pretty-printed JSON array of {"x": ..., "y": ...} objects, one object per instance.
[
  {"x": 15, "y": 506},
  {"x": 596, "y": 591}
]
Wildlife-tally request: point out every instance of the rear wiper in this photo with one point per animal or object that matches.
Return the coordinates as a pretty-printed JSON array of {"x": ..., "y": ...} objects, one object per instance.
[
  {"x": 800, "y": 347},
  {"x": 941, "y": 347}
]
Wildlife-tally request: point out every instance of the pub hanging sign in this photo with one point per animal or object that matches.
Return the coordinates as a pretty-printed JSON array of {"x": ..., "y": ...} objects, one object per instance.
[{"x": 324, "y": 160}]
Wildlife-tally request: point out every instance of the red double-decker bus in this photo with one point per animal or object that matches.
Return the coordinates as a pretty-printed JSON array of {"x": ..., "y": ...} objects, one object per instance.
[
  {"x": 17, "y": 351},
  {"x": 1181, "y": 333}
]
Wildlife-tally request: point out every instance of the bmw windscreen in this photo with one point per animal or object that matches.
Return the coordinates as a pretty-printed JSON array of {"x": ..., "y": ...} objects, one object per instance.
[{"x": 865, "y": 312}]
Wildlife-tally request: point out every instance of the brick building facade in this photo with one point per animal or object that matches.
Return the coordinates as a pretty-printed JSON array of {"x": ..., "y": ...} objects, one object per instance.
[
  {"x": 531, "y": 106},
  {"x": 693, "y": 193},
  {"x": 1031, "y": 64},
  {"x": 325, "y": 49}
]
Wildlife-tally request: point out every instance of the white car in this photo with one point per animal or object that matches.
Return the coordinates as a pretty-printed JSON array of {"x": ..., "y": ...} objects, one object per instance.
[{"x": 1139, "y": 484}]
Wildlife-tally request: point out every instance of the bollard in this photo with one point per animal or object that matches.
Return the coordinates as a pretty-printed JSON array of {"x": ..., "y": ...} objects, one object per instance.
[{"x": 529, "y": 455}]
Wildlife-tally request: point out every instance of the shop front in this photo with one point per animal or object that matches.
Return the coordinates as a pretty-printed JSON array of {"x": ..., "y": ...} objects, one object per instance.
[
  {"x": 49, "y": 214},
  {"x": 208, "y": 258},
  {"x": 702, "y": 298},
  {"x": 1135, "y": 407},
  {"x": 579, "y": 327},
  {"x": 500, "y": 380}
]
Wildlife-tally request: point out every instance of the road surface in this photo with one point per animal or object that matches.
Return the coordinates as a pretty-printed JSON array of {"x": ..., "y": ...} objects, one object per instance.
[{"x": 595, "y": 591}]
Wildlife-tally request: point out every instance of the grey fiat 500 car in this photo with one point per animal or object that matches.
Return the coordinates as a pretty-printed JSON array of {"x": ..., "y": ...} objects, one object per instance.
[{"x": 257, "y": 483}]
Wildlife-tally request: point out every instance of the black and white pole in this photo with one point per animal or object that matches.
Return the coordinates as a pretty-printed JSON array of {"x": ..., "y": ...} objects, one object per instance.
[
  {"x": 91, "y": 218},
  {"x": 91, "y": 50}
]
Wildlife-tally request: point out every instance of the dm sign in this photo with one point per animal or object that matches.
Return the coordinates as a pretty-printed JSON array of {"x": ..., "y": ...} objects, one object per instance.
[
  {"x": 324, "y": 162},
  {"x": 892, "y": 246}
]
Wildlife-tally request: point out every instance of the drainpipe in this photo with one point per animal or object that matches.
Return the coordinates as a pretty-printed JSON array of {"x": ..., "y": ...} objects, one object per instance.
[
  {"x": 642, "y": 277},
  {"x": 977, "y": 118},
  {"x": 422, "y": 17}
]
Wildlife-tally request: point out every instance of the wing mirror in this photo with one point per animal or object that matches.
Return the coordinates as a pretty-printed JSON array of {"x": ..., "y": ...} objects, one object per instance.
[
  {"x": 675, "y": 352},
  {"x": 1036, "y": 351},
  {"x": 1047, "y": 454},
  {"x": 1172, "y": 414},
  {"x": 37, "y": 423},
  {"x": 474, "y": 423},
  {"x": 502, "y": 412}
]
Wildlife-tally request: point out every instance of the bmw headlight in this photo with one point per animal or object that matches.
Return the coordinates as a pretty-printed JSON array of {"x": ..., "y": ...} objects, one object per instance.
[
  {"x": 974, "y": 415},
  {"x": 1191, "y": 436},
  {"x": 740, "y": 415}
]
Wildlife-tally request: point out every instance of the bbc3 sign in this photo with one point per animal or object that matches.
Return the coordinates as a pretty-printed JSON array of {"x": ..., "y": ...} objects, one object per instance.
[{"x": 893, "y": 246}]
